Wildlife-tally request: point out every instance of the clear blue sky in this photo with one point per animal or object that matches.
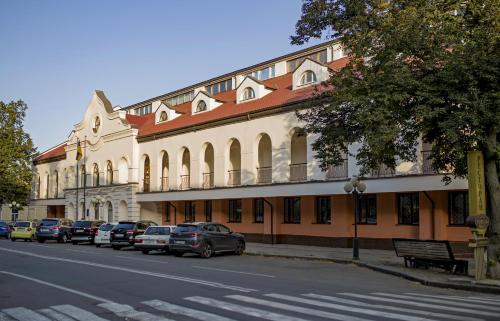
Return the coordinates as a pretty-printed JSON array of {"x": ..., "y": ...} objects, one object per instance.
[{"x": 54, "y": 53}]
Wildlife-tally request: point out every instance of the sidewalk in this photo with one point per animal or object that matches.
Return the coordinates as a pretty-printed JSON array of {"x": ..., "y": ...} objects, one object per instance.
[{"x": 378, "y": 260}]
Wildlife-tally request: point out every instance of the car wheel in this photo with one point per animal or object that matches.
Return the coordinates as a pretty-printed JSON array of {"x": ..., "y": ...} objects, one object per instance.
[
  {"x": 25, "y": 240},
  {"x": 240, "y": 248},
  {"x": 41, "y": 240},
  {"x": 206, "y": 250},
  {"x": 63, "y": 239},
  {"x": 116, "y": 248},
  {"x": 145, "y": 251},
  {"x": 178, "y": 254},
  {"x": 98, "y": 245},
  {"x": 13, "y": 239},
  {"x": 32, "y": 238}
]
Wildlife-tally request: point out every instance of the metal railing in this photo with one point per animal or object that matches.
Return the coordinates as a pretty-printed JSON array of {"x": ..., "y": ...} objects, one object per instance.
[
  {"x": 185, "y": 182},
  {"x": 164, "y": 184},
  {"x": 208, "y": 180},
  {"x": 298, "y": 172},
  {"x": 264, "y": 175},
  {"x": 234, "y": 178},
  {"x": 339, "y": 171}
]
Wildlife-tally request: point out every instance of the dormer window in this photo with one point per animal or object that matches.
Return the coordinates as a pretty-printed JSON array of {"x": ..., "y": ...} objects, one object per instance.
[
  {"x": 307, "y": 77},
  {"x": 202, "y": 106},
  {"x": 163, "y": 116},
  {"x": 248, "y": 93}
]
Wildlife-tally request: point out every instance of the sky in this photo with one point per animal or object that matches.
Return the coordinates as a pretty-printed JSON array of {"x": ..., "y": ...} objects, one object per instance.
[{"x": 55, "y": 53}]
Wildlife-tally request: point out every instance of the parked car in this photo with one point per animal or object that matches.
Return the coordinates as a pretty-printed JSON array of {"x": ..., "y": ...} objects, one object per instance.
[
  {"x": 54, "y": 229},
  {"x": 84, "y": 231},
  {"x": 4, "y": 230},
  {"x": 154, "y": 238},
  {"x": 205, "y": 239},
  {"x": 24, "y": 230},
  {"x": 124, "y": 233},
  {"x": 103, "y": 234}
]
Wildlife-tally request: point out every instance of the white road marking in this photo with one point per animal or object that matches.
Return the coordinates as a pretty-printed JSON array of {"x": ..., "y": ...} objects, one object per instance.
[
  {"x": 389, "y": 307},
  {"x": 81, "y": 251},
  {"x": 456, "y": 298},
  {"x": 23, "y": 314},
  {"x": 4, "y": 317},
  {"x": 258, "y": 313},
  {"x": 420, "y": 304},
  {"x": 177, "y": 309},
  {"x": 129, "y": 313},
  {"x": 54, "y": 315},
  {"x": 440, "y": 301},
  {"x": 310, "y": 312},
  {"x": 77, "y": 313},
  {"x": 370, "y": 312},
  {"x": 90, "y": 296},
  {"x": 142, "y": 272},
  {"x": 136, "y": 259},
  {"x": 232, "y": 271}
]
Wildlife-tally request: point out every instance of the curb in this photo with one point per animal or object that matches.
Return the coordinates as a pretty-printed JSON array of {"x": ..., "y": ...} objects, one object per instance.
[{"x": 437, "y": 284}]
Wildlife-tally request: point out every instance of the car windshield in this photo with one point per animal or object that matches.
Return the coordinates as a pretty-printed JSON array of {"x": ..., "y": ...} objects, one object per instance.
[
  {"x": 82, "y": 224},
  {"x": 48, "y": 223},
  {"x": 22, "y": 224},
  {"x": 125, "y": 226},
  {"x": 106, "y": 227},
  {"x": 154, "y": 230},
  {"x": 185, "y": 228}
]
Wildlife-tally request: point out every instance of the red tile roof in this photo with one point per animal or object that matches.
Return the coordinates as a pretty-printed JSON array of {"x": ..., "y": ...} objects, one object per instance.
[
  {"x": 282, "y": 95},
  {"x": 54, "y": 152}
]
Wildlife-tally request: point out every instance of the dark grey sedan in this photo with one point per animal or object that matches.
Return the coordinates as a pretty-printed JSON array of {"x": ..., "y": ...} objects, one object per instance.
[{"x": 205, "y": 239}]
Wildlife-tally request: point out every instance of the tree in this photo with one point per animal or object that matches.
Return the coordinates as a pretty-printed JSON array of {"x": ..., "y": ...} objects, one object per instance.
[
  {"x": 417, "y": 69},
  {"x": 16, "y": 154}
]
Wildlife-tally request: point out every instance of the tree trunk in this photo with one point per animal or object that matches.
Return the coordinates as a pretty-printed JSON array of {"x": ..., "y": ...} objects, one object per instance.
[{"x": 493, "y": 193}]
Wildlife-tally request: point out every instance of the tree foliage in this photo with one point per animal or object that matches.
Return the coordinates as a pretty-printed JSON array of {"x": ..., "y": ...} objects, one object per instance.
[
  {"x": 418, "y": 69},
  {"x": 16, "y": 153}
]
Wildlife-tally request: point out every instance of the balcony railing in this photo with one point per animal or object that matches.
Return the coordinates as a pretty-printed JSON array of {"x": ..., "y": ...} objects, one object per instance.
[
  {"x": 234, "y": 178},
  {"x": 146, "y": 185},
  {"x": 383, "y": 171},
  {"x": 208, "y": 180},
  {"x": 337, "y": 172},
  {"x": 185, "y": 182},
  {"x": 427, "y": 163},
  {"x": 164, "y": 184},
  {"x": 298, "y": 172},
  {"x": 264, "y": 175}
]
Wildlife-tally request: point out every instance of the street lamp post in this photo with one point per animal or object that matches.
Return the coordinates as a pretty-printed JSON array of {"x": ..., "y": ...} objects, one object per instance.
[
  {"x": 355, "y": 187},
  {"x": 14, "y": 206}
]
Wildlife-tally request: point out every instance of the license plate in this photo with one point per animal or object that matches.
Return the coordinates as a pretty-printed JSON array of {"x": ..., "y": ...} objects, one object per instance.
[
  {"x": 20, "y": 229},
  {"x": 79, "y": 231},
  {"x": 119, "y": 235},
  {"x": 180, "y": 242},
  {"x": 149, "y": 241},
  {"x": 44, "y": 230}
]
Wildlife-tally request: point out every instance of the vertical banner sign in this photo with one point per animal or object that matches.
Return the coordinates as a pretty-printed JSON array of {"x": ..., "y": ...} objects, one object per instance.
[{"x": 477, "y": 193}]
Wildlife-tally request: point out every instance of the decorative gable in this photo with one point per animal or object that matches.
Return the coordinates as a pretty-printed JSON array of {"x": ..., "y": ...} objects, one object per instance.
[
  {"x": 309, "y": 72},
  {"x": 163, "y": 113},
  {"x": 203, "y": 102},
  {"x": 250, "y": 89}
]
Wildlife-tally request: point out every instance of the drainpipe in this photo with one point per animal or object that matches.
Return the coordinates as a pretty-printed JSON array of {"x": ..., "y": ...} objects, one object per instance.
[
  {"x": 175, "y": 211},
  {"x": 272, "y": 218},
  {"x": 433, "y": 207}
]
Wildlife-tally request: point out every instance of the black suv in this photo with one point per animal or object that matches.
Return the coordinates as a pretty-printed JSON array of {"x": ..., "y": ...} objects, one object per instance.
[
  {"x": 84, "y": 231},
  {"x": 205, "y": 239},
  {"x": 124, "y": 233},
  {"x": 54, "y": 229}
]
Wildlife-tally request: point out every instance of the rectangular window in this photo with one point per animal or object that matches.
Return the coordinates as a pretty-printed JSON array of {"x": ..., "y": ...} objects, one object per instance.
[
  {"x": 292, "y": 210},
  {"x": 208, "y": 210},
  {"x": 220, "y": 87},
  {"x": 408, "y": 208},
  {"x": 189, "y": 211},
  {"x": 457, "y": 207},
  {"x": 141, "y": 111},
  {"x": 258, "y": 210},
  {"x": 367, "y": 209},
  {"x": 235, "y": 211},
  {"x": 319, "y": 56},
  {"x": 264, "y": 73},
  {"x": 323, "y": 210},
  {"x": 180, "y": 99}
]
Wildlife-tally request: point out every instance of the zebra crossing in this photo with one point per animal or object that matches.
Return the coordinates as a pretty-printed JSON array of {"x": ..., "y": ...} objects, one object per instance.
[{"x": 343, "y": 306}]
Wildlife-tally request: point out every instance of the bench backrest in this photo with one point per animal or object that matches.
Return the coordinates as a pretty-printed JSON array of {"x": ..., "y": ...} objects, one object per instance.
[{"x": 437, "y": 250}]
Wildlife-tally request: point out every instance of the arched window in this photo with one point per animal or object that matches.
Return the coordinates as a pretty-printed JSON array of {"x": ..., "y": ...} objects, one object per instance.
[
  {"x": 163, "y": 116},
  {"x": 147, "y": 172},
  {"x": 109, "y": 173},
  {"x": 56, "y": 187},
  {"x": 47, "y": 186},
  {"x": 307, "y": 77},
  {"x": 110, "y": 212},
  {"x": 95, "y": 176},
  {"x": 202, "y": 106},
  {"x": 248, "y": 93},
  {"x": 83, "y": 176},
  {"x": 38, "y": 185}
]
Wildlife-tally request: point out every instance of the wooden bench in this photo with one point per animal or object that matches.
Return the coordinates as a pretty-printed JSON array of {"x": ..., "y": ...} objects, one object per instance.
[{"x": 419, "y": 253}]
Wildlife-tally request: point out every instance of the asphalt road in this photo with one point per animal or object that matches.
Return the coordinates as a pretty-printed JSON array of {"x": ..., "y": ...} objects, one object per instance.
[{"x": 50, "y": 281}]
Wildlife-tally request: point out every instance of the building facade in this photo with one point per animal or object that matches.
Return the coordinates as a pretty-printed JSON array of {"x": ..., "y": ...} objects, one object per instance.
[{"x": 232, "y": 150}]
